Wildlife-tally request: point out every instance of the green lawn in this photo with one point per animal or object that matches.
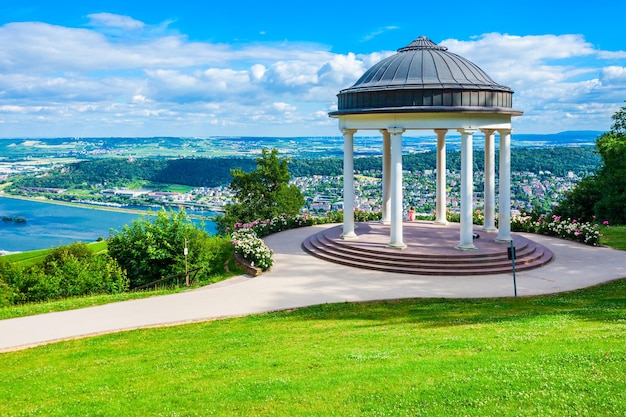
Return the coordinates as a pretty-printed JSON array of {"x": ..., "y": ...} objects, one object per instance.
[
  {"x": 73, "y": 303},
  {"x": 614, "y": 236},
  {"x": 176, "y": 188},
  {"x": 558, "y": 355}
]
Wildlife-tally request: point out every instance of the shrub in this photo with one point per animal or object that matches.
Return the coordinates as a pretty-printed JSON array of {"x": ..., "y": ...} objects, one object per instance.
[
  {"x": 77, "y": 250},
  {"x": 7, "y": 295},
  {"x": 67, "y": 271},
  {"x": 153, "y": 248},
  {"x": 211, "y": 253},
  {"x": 277, "y": 224},
  {"x": 252, "y": 248},
  {"x": 478, "y": 217},
  {"x": 570, "y": 229},
  {"x": 17, "y": 279}
]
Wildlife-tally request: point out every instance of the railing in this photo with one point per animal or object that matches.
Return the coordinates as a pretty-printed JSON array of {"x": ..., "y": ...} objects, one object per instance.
[{"x": 192, "y": 273}]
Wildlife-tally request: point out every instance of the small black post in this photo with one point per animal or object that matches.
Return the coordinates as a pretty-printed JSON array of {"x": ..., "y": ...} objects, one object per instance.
[
  {"x": 511, "y": 253},
  {"x": 185, "y": 253}
]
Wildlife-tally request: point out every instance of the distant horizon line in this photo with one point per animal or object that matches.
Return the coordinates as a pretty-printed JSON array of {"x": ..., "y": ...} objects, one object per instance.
[{"x": 586, "y": 132}]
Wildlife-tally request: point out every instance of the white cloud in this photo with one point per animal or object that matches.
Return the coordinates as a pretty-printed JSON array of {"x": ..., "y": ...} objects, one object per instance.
[
  {"x": 139, "y": 98},
  {"x": 378, "y": 32},
  {"x": 614, "y": 74},
  {"x": 291, "y": 74},
  {"x": 13, "y": 109},
  {"x": 107, "y": 80},
  {"x": 612, "y": 54},
  {"x": 510, "y": 59},
  {"x": 552, "y": 76},
  {"x": 115, "y": 20},
  {"x": 342, "y": 70},
  {"x": 257, "y": 71},
  {"x": 284, "y": 107}
]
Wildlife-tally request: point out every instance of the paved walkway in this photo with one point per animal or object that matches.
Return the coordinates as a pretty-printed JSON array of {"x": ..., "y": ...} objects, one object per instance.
[{"x": 298, "y": 280}]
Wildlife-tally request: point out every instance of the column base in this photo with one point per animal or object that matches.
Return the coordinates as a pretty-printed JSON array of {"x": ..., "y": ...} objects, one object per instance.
[
  {"x": 503, "y": 239},
  {"x": 349, "y": 236},
  {"x": 489, "y": 229},
  {"x": 465, "y": 246},
  {"x": 396, "y": 245},
  {"x": 441, "y": 222},
  {"x": 385, "y": 221}
]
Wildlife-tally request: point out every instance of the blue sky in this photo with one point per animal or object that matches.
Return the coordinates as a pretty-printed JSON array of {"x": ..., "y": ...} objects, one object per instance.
[{"x": 138, "y": 68}]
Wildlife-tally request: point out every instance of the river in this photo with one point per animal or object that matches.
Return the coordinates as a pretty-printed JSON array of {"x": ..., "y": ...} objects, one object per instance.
[{"x": 49, "y": 224}]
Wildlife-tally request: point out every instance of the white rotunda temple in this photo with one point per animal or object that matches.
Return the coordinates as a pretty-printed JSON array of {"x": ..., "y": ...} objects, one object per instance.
[{"x": 425, "y": 87}]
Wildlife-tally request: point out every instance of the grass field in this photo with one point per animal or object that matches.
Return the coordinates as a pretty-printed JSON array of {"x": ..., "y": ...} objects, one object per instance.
[
  {"x": 614, "y": 236},
  {"x": 559, "y": 355},
  {"x": 556, "y": 355}
]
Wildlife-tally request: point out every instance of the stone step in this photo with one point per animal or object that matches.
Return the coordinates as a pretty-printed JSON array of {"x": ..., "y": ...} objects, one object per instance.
[
  {"x": 525, "y": 249},
  {"x": 423, "y": 260},
  {"x": 394, "y": 257}
]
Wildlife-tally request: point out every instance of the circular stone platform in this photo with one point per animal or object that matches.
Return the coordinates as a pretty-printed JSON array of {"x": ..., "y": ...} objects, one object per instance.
[{"x": 430, "y": 250}]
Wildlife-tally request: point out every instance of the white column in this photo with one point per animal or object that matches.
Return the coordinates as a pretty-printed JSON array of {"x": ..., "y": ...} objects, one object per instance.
[
  {"x": 386, "y": 206},
  {"x": 440, "y": 210},
  {"x": 504, "y": 194},
  {"x": 396, "y": 189},
  {"x": 467, "y": 190},
  {"x": 348, "y": 184},
  {"x": 490, "y": 183}
]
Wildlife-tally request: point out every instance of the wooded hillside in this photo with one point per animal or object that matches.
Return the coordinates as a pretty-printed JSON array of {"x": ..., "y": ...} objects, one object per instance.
[{"x": 211, "y": 172}]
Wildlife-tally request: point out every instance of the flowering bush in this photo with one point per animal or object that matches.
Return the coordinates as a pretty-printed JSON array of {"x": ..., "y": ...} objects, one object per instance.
[
  {"x": 477, "y": 217},
  {"x": 252, "y": 248},
  {"x": 264, "y": 228},
  {"x": 247, "y": 241},
  {"x": 570, "y": 229}
]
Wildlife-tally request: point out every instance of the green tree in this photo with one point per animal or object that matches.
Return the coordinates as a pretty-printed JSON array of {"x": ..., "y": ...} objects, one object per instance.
[
  {"x": 7, "y": 294},
  {"x": 603, "y": 195},
  {"x": 153, "y": 248},
  {"x": 579, "y": 203},
  {"x": 262, "y": 194}
]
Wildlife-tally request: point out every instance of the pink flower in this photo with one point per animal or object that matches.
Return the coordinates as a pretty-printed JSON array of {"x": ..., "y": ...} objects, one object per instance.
[{"x": 606, "y": 222}]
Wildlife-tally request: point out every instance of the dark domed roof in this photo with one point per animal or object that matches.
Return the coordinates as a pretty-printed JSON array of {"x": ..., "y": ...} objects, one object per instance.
[{"x": 424, "y": 76}]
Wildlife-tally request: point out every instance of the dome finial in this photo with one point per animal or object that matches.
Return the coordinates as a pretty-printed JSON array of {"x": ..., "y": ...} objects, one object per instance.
[{"x": 422, "y": 43}]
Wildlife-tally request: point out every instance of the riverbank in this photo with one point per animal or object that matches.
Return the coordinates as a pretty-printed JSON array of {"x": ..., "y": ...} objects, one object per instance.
[
  {"x": 146, "y": 211},
  {"x": 68, "y": 203}
]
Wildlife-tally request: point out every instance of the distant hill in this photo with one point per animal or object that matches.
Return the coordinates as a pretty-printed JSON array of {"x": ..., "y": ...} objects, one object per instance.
[
  {"x": 216, "y": 147},
  {"x": 212, "y": 172},
  {"x": 569, "y": 138}
]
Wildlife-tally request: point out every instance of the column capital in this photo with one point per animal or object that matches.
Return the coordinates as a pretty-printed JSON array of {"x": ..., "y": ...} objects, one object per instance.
[
  {"x": 505, "y": 131},
  {"x": 441, "y": 131},
  {"x": 467, "y": 131},
  {"x": 348, "y": 131},
  {"x": 488, "y": 132},
  {"x": 396, "y": 130},
  {"x": 384, "y": 131}
]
